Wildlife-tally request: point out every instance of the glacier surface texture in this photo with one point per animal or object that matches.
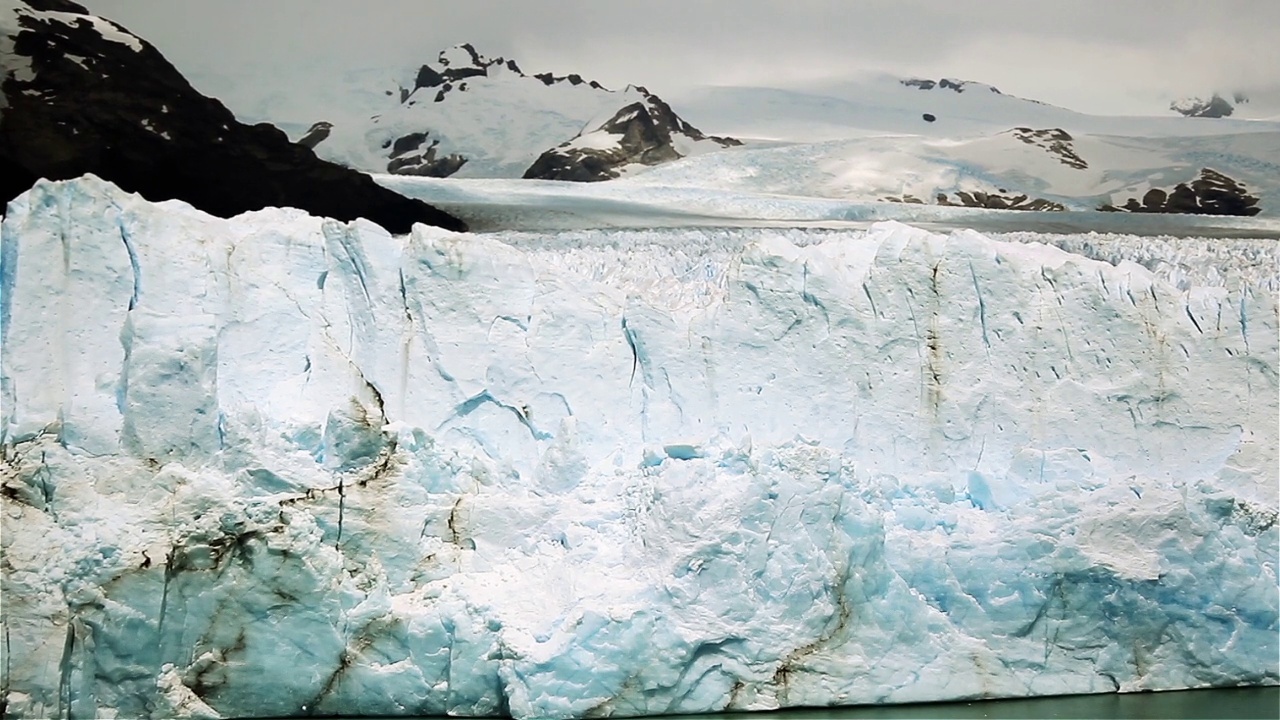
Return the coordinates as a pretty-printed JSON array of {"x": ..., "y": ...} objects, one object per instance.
[{"x": 278, "y": 465}]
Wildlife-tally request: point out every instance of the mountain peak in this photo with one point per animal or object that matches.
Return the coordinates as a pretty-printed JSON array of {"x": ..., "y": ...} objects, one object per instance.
[
  {"x": 462, "y": 55},
  {"x": 455, "y": 64},
  {"x": 643, "y": 133}
]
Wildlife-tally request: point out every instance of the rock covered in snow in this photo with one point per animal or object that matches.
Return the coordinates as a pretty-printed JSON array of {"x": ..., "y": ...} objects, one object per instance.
[
  {"x": 990, "y": 200},
  {"x": 644, "y": 133},
  {"x": 1212, "y": 193},
  {"x": 83, "y": 95},
  {"x": 409, "y": 157},
  {"x": 477, "y": 116},
  {"x": 277, "y": 465},
  {"x": 1055, "y": 141},
  {"x": 952, "y": 84},
  {"x": 1215, "y": 107}
]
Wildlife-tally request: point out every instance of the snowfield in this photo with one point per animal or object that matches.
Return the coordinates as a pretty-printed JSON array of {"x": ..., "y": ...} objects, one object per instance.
[
  {"x": 863, "y": 140},
  {"x": 281, "y": 465},
  {"x": 646, "y": 200}
]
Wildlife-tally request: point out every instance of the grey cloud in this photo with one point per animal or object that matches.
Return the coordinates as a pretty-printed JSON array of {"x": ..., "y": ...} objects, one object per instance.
[{"x": 1094, "y": 55}]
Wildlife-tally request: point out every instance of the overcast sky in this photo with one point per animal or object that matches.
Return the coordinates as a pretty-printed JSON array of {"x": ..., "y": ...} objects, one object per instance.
[{"x": 1104, "y": 56}]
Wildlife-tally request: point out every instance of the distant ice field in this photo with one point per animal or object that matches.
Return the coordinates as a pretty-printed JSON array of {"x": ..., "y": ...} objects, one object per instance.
[{"x": 490, "y": 205}]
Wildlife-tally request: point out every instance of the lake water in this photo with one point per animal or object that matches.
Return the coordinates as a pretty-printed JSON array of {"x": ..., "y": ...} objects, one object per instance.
[
  {"x": 1256, "y": 703},
  {"x": 1209, "y": 704}
]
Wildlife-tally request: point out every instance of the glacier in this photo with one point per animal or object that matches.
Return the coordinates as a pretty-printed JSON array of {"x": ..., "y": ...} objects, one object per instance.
[{"x": 278, "y": 465}]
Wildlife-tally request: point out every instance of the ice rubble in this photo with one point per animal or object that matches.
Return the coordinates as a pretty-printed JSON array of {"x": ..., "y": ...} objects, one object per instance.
[{"x": 279, "y": 465}]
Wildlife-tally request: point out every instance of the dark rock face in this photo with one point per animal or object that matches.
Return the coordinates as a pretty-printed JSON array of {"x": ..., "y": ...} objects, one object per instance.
[
  {"x": 58, "y": 6},
  {"x": 989, "y": 200},
  {"x": 94, "y": 103},
  {"x": 1210, "y": 194},
  {"x": 996, "y": 201},
  {"x": 642, "y": 133},
  {"x": 408, "y": 143},
  {"x": 315, "y": 134},
  {"x": 408, "y": 158},
  {"x": 1055, "y": 141},
  {"x": 1215, "y": 107},
  {"x": 920, "y": 83},
  {"x": 572, "y": 78}
]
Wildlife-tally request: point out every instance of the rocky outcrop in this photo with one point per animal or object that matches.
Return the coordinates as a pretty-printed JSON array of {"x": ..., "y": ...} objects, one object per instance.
[
  {"x": 316, "y": 134},
  {"x": 1213, "y": 193},
  {"x": 1001, "y": 200},
  {"x": 87, "y": 96},
  {"x": 645, "y": 133},
  {"x": 463, "y": 61},
  {"x": 958, "y": 86},
  {"x": 572, "y": 78},
  {"x": 1055, "y": 141},
  {"x": 408, "y": 157},
  {"x": 1215, "y": 107}
]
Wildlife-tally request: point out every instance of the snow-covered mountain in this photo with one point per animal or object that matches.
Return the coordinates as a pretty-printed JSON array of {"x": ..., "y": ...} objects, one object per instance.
[
  {"x": 485, "y": 117},
  {"x": 1257, "y": 105},
  {"x": 81, "y": 94},
  {"x": 643, "y": 134},
  {"x": 872, "y": 137},
  {"x": 876, "y": 104}
]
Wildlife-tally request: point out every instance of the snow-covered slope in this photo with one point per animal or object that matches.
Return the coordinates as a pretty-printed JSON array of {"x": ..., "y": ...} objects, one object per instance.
[
  {"x": 879, "y": 104},
  {"x": 871, "y": 138},
  {"x": 1081, "y": 172},
  {"x": 487, "y": 111},
  {"x": 276, "y": 465}
]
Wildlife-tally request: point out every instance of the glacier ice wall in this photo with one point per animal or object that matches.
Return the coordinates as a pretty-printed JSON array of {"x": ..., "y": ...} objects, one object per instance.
[{"x": 277, "y": 465}]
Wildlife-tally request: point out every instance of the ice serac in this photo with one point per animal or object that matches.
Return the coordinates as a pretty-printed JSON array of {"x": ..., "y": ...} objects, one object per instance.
[{"x": 277, "y": 465}]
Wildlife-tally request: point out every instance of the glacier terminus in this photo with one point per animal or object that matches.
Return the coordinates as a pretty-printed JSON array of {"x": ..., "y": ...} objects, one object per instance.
[{"x": 277, "y": 465}]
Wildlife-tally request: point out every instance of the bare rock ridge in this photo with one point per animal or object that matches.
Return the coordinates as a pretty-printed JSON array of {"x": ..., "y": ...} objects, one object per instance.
[
  {"x": 958, "y": 86},
  {"x": 1000, "y": 199},
  {"x": 1213, "y": 193},
  {"x": 463, "y": 61},
  {"x": 90, "y": 97},
  {"x": 645, "y": 133}
]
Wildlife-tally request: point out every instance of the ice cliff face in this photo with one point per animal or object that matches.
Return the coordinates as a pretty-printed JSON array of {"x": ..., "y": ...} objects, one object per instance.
[{"x": 277, "y": 465}]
